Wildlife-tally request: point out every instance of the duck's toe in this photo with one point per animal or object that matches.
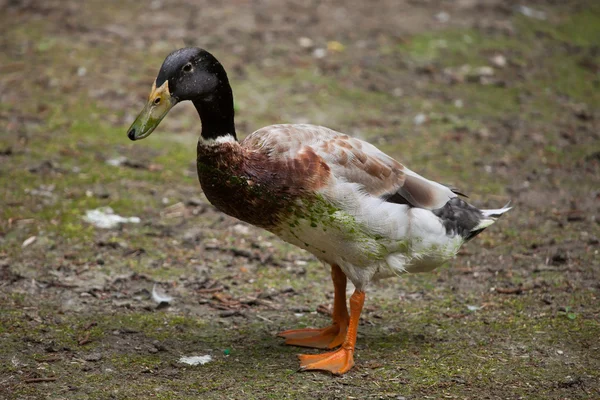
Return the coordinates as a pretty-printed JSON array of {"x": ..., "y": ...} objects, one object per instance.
[
  {"x": 325, "y": 338},
  {"x": 337, "y": 362}
]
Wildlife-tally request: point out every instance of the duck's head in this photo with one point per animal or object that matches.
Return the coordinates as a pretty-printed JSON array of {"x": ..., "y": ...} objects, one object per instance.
[{"x": 186, "y": 74}]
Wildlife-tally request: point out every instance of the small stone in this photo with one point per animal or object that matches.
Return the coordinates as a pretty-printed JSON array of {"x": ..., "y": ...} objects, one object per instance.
[
  {"x": 443, "y": 17},
  {"x": 100, "y": 192},
  {"x": 194, "y": 202},
  {"x": 229, "y": 313},
  {"x": 93, "y": 357},
  {"x": 305, "y": 42},
  {"x": 481, "y": 75},
  {"x": 483, "y": 133},
  {"x": 267, "y": 294},
  {"x": 485, "y": 71},
  {"x": 241, "y": 229},
  {"x": 51, "y": 347},
  {"x": 531, "y": 13},
  {"x": 319, "y": 53},
  {"x": 116, "y": 162},
  {"x": 211, "y": 246},
  {"x": 420, "y": 119},
  {"x": 159, "y": 346},
  {"x": 126, "y": 303},
  {"x": 152, "y": 350},
  {"x": 538, "y": 138},
  {"x": 498, "y": 60},
  {"x": 193, "y": 235}
]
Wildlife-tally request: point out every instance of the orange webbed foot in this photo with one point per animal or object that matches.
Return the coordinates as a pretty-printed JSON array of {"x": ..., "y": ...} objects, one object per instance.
[
  {"x": 337, "y": 362},
  {"x": 341, "y": 360},
  {"x": 332, "y": 336},
  {"x": 326, "y": 338}
]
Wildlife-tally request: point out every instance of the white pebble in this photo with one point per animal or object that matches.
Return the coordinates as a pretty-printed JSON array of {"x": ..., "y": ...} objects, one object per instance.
[
  {"x": 305, "y": 42},
  {"x": 319, "y": 53},
  {"x": 29, "y": 241},
  {"x": 443, "y": 17},
  {"x": 420, "y": 119}
]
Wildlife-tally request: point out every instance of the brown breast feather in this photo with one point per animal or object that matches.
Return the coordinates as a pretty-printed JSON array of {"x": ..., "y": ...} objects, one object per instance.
[{"x": 251, "y": 185}]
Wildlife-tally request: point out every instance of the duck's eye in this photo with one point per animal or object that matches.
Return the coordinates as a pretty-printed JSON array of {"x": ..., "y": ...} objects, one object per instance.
[
  {"x": 187, "y": 67},
  {"x": 157, "y": 101}
]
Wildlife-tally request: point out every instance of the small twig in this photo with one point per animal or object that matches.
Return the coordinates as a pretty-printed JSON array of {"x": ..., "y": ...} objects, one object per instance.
[
  {"x": 49, "y": 359},
  {"x": 441, "y": 356},
  {"x": 264, "y": 319},
  {"x": 226, "y": 299},
  {"x": 454, "y": 316},
  {"x": 90, "y": 325},
  {"x": 231, "y": 313},
  {"x": 267, "y": 303},
  {"x": 324, "y": 309},
  {"x": 61, "y": 285},
  {"x": 85, "y": 339},
  {"x": 517, "y": 290},
  {"x": 37, "y": 380},
  {"x": 211, "y": 290}
]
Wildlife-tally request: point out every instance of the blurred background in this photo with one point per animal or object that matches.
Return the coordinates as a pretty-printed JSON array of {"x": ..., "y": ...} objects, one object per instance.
[{"x": 113, "y": 264}]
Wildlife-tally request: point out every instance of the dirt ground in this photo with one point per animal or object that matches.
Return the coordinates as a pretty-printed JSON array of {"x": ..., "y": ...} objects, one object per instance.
[{"x": 492, "y": 97}]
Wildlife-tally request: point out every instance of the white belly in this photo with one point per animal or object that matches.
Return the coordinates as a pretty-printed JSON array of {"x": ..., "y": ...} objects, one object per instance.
[{"x": 369, "y": 238}]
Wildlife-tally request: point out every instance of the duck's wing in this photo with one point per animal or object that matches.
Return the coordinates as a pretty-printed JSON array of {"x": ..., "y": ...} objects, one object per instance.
[{"x": 351, "y": 160}]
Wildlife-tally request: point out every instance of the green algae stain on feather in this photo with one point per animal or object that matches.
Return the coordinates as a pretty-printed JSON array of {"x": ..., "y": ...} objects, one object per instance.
[{"x": 319, "y": 225}]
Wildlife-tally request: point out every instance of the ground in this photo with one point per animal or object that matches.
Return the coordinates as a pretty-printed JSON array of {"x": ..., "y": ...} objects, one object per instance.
[{"x": 499, "y": 100}]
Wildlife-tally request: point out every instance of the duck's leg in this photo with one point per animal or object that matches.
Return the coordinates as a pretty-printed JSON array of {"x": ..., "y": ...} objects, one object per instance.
[
  {"x": 331, "y": 336},
  {"x": 342, "y": 359}
]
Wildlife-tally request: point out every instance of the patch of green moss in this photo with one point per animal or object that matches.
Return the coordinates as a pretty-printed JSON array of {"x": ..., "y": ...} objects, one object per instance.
[{"x": 457, "y": 47}]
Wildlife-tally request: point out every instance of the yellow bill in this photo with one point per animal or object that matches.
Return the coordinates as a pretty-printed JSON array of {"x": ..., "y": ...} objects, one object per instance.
[{"x": 159, "y": 104}]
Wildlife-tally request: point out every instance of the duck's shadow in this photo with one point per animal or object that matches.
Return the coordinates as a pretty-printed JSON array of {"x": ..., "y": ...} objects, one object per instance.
[{"x": 260, "y": 348}]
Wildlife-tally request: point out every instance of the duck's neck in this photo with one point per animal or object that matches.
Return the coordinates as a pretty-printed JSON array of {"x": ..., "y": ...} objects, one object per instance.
[{"x": 217, "y": 114}]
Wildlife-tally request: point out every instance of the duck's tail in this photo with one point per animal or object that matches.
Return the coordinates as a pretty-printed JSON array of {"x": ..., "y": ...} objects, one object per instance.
[
  {"x": 459, "y": 217},
  {"x": 488, "y": 218}
]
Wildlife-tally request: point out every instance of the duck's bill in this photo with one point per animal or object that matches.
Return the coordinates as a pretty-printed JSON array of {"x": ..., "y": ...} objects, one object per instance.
[{"x": 159, "y": 104}]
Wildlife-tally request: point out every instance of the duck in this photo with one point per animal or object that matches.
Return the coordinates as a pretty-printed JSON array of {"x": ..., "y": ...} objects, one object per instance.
[{"x": 352, "y": 206}]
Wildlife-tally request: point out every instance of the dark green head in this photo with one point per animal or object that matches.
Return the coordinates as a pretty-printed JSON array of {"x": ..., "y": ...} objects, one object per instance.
[{"x": 186, "y": 74}]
